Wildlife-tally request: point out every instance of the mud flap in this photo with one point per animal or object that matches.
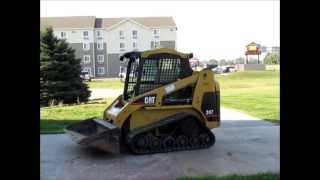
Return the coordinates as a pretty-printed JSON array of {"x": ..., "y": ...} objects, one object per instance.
[{"x": 96, "y": 133}]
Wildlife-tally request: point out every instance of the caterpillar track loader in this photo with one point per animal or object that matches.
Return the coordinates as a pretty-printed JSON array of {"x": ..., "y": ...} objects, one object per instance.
[{"x": 165, "y": 106}]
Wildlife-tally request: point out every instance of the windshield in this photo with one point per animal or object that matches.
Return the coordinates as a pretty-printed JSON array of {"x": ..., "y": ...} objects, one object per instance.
[
  {"x": 154, "y": 73},
  {"x": 146, "y": 74}
]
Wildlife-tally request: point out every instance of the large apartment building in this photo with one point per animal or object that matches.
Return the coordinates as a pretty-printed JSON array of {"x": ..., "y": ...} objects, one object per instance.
[{"x": 100, "y": 41}]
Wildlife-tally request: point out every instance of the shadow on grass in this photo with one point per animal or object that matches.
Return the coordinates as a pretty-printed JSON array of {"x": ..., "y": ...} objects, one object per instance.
[
  {"x": 53, "y": 126},
  {"x": 97, "y": 101}
]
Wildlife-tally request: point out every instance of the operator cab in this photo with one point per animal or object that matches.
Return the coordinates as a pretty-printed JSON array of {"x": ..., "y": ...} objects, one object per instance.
[{"x": 151, "y": 69}]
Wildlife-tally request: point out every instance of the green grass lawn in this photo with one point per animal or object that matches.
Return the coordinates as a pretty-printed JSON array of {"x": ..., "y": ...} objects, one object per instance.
[
  {"x": 263, "y": 176},
  {"x": 112, "y": 83},
  {"x": 54, "y": 119},
  {"x": 254, "y": 92}
]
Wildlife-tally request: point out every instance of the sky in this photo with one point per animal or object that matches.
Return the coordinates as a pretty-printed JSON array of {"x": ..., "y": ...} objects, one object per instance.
[{"x": 208, "y": 29}]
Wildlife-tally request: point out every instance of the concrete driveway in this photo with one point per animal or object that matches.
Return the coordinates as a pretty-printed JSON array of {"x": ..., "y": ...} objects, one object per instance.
[{"x": 244, "y": 145}]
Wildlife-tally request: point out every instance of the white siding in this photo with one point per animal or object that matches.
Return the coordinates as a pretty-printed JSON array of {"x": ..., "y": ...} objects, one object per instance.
[
  {"x": 113, "y": 37},
  {"x": 167, "y": 35},
  {"x": 75, "y": 35}
]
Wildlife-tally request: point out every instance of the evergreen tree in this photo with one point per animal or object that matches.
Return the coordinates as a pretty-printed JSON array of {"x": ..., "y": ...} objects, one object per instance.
[{"x": 60, "y": 70}]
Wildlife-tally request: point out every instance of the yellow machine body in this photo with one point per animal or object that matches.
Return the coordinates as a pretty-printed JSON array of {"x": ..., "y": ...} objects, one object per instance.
[
  {"x": 140, "y": 115},
  {"x": 175, "y": 110}
]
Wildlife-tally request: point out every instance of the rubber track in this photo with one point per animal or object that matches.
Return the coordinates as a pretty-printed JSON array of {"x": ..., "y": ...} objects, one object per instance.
[{"x": 174, "y": 118}]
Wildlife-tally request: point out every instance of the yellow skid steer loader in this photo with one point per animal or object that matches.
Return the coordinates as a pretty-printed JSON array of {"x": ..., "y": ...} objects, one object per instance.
[{"x": 165, "y": 106}]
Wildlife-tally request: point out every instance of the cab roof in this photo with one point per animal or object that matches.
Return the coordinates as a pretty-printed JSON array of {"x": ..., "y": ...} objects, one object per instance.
[{"x": 148, "y": 53}]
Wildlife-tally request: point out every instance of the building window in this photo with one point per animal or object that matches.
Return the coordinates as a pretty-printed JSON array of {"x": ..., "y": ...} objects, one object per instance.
[
  {"x": 155, "y": 44},
  {"x": 63, "y": 35},
  {"x": 134, "y": 34},
  {"x": 100, "y": 59},
  {"x": 99, "y": 34},
  {"x": 88, "y": 70},
  {"x": 173, "y": 29},
  {"x": 86, "y": 35},
  {"x": 156, "y": 33},
  {"x": 121, "y": 34},
  {"x": 86, "y": 59},
  {"x": 122, "y": 47},
  {"x": 100, "y": 45},
  {"x": 135, "y": 45},
  {"x": 86, "y": 46},
  {"x": 101, "y": 70}
]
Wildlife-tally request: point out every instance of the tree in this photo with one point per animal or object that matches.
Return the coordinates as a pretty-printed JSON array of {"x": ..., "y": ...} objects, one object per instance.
[
  {"x": 213, "y": 61},
  {"x": 230, "y": 62},
  {"x": 222, "y": 62},
  {"x": 60, "y": 71},
  {"x": 272, "y": 58},
  {"x": 239, "y": 60}
]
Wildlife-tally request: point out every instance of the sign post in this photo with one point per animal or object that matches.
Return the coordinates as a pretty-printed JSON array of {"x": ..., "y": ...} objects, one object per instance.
[{"x": 253, "y": 49}]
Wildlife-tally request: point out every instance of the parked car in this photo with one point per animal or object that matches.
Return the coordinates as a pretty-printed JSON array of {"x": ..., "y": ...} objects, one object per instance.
[
  {"x": 85, "y": 76},
  {"x": 217, "y": 70},
  {"x": 229, "y": 69}
]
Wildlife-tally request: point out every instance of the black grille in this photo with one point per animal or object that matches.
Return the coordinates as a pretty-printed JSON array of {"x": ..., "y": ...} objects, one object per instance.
[
  {"x": 153, "y": 72},
  {"x": 170, "y": 70},
  {"x": 157, "y": 72}
]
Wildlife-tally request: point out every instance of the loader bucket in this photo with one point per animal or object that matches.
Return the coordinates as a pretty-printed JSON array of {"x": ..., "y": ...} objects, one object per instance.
[{"x": 96, "y": 133}]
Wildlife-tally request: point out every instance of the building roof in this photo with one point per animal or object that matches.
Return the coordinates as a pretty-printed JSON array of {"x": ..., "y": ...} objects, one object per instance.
[
  {"x": 68, "y": 22},
  {"x": 92, "y": 22},
  {"x": 146, "y": 21}
]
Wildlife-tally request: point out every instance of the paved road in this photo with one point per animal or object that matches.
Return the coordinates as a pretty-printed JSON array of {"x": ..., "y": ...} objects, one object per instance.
[{"x": 245, "y": 145}]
